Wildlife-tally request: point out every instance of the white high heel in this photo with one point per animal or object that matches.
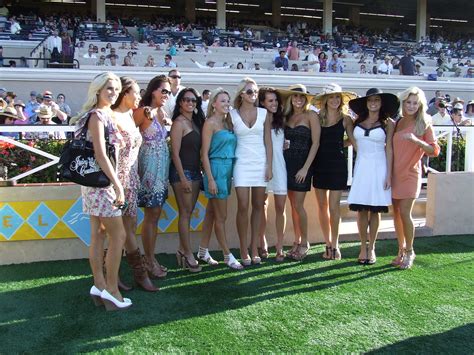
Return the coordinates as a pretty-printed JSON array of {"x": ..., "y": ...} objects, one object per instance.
[
  {"x": 232, "y": 262},
  {"x": 113, "y": 304},
  {"x": 95, "y": 295},
  {"x": 203, "y": 255}
]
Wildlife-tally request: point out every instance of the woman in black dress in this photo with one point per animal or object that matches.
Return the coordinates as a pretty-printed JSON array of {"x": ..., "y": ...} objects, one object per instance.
[
  {"x": 302, "y": 130},
  {"x": 330, "y": 166}
]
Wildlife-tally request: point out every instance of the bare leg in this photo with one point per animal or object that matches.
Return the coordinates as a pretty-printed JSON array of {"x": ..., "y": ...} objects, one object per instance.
[
  {"x": 186, "y": 202},
  {"x": 207, "y": 225},
  {"x": 242, "y": 219},
  {"x": 149, "y": 230},
  {"x": 96, "y": 253},
  {"x": 397, "y": 221},
  {"x": 130, "y": 225},
  {"x": 220, "y": 208},
  {"x": 280, "y": 221},
  {"x": 323, "y": 214},
  {"x": 258, "y": 200},
  {"x": 362, "y": 224},
  {"x": 116, "y": 231},
  {"x": 296, "y": 223},
  {"x": 262, "y": 240},
  {"x": 335, "y": 216},
  {"x": 373, "y": 230},
  {"x": 406, "y": 206}
]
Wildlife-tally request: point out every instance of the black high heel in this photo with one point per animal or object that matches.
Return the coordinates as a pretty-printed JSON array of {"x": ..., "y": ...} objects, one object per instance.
[{"x": 185, "y": 264}]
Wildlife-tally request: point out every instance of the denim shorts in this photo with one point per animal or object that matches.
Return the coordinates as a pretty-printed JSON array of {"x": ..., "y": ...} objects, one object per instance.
[{"x": 190, "y": 175}]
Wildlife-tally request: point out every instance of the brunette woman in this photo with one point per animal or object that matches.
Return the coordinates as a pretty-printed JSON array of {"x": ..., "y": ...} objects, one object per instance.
[
  {"x": 270, "y": 99},
  {"x": 253, "y": 166},
  {"x": 413, "y": 138},
  {"x": 153, "y": 166},
  {"x": 218, "y": 155},
  {"x": 127, "y": 170},
  {"x": 104, "y": 205},
  {"x": 185, "y": 169},
  {"x": 370, "y": 191},
  {"x": 330, "y": 165},
  {"x": 302, "y": 131}
]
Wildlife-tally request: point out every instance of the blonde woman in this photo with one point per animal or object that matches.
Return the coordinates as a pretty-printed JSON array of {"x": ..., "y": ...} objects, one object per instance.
[
  {"x": 253, "y": 166},
  {"x": 302, "y": 131},
  {"x": 413, "y": 138},
  {"x": 217, "y": 155},
  {"x": 330, "y": 165},
  {"x": 104, "y": 205}
]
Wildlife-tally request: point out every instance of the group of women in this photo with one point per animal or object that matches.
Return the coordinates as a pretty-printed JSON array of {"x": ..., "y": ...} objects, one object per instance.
[{"x": 263, "y": 141}]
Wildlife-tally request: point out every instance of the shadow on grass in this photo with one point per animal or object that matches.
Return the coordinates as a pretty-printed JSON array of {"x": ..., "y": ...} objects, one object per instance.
[
  {"x": 58, "y": 316},
  {"x": 454, "y": 341}
]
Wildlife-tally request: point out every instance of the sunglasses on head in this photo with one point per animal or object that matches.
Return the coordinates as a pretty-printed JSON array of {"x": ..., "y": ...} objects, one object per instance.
[
  {"x": 189, "y": 99},
  {"x": 175, "y": 76},
  {"x": 251, "y": 92},
  {"x": 165, "y": 92}
]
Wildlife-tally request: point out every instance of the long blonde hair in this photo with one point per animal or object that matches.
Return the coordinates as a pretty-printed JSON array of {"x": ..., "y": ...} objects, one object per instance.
[
  {"x": 95, "y": 87},
  {"x": 210, "y": 110},
  {"x": 288, "y": 106},
  {"x": 422, "y": 119},
  {"x": 240, "y": 90},
  {"x": 323, "y": 113}
]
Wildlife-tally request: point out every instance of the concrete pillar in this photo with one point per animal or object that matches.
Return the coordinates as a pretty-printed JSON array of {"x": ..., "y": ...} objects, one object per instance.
[
  {"x": 327, "y": 16},
  {"x": 276, "y": 13},
  {"x": 421, "y": 19},
  {"x": 98, "y": 9},
  {"x": 190, "y": 10},
  {"x": 221, "y": 14},
  {"x": 354, "y": 15}
]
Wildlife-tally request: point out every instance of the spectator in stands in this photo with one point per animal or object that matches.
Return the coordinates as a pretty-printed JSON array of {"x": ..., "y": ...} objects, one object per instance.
[
  {"x": 335, "y": 64},
  {"x": 437, "y": 94},
  {"x": 59, "y": 116},
  {"x": 294, "y": 67},
  {"x": 293, "y": 51},
  {"x": 45, "y": 115},
  {"x": 174, "y": 78},
  {"x": 127, "y": 62},
  {"x": 9, "y": 116},
  {"x": 458, "y": 100},
  {"x": 313, "y": 61},
  {"x": 362, "y": 69},
  {"x": 15, "y": 27},
  {"x": 457, "y": 116},
  {"x": 63, "y": 106},
  {"x": 190, "y": 48},
  {"x": 31, "y": 107},
  {"x": 67, "y": 47},
  {"x": 470, "y": 110},
  {"x": 240, "y": 65},
  {"x": 90, "y": 53},
  {"x": 113, "y": 60},
  {"x": 441, "y": 117},
  {"x": 168, "y": 63},
  {"x": 256, "y": 66},
  {"x": 10, "y": 97},
  {"x": 101, "y": 61},
  {"x": 19, "y": 106},
  {"x": 469, "y": 73},
  {"x": 407, "y": 63},
  {"x": 150, "y": 62},
  {"x": 206, "y": 94},
  {"x": 55, "y": 46},
  {"x": 281, "y": 62},
  {"x": 386, "y": 67}
]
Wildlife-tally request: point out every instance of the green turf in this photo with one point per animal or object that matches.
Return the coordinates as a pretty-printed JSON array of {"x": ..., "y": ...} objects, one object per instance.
[{"x": 315, "y": 306}]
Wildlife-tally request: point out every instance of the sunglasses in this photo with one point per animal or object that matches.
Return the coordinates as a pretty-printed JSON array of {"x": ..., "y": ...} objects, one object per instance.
[
  {"x": 250, "y": 92},
  {"x": 175, "y": 77},
  {"x": 189, "y": 99},
  {"x": 165, "y": 92}
]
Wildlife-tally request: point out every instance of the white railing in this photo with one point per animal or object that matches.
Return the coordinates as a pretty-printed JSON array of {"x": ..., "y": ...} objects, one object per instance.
[{"x": 450, "y": 132}]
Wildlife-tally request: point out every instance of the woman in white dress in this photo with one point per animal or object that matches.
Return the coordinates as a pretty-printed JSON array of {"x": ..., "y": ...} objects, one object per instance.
[
  {"x": 370, "y": 191},
  {"x": 253, "y": 166},
  {"x": 270, "y": 99}
]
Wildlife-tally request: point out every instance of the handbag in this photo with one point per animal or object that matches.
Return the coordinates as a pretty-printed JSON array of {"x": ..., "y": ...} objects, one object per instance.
[{"x": 78, "y": 164}]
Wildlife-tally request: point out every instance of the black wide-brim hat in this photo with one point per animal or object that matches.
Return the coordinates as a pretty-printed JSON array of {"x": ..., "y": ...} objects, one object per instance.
[{"x": 390, "y": 102}]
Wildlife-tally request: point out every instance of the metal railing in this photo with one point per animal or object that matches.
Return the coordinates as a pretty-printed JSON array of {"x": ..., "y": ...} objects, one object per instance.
[{"x": 450, "y": 132}]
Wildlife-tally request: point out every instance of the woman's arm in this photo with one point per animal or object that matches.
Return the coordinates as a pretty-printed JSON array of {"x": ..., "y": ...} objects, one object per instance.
[
  {"x": 267, "y": 137},
  {"x": 176, "y": 135},
  {"x": 428, "y": 143},
  {"x": 390, "y": 128},
  {"x": 97, "y": 131},
  {"x": 349, "y": 126},
  {"x": 315, "y": 127},
  {"x": 207, "y": 132}
]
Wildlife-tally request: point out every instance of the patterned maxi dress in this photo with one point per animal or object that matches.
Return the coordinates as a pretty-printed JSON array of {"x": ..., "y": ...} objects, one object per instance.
[{"x": 153, "y": 166}]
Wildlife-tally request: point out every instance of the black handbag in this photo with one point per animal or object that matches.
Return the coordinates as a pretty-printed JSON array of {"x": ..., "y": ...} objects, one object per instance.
[{"x": 78, "y": 164}]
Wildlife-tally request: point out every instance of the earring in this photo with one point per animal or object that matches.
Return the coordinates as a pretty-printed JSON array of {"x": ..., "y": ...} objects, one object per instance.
[{"x": 196, "y": 111}]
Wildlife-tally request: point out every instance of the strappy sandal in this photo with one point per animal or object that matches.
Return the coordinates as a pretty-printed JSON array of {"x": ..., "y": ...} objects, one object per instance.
[
  {"x": 279, "y": 257},
  {"x": 293, "y": 250},
  {"x": 203, "y": 255},
  {"x": 360, "y": 260},
  {"x": 256, "y": 260},
  {"x": 154, "y": 269},
  {"x": 301, "y": 253},
  {"x": 397, "y": 261},
  {"x": 263, "y": 253},
  {"x": 185, "y": 264},
  {"x": 371, "y": 260},
  {"x": 408, "y": 260},
  {"x": 336, "y": 254},
  {"x": 327, "y": 253},
  {"x": 232, "y": 262}
]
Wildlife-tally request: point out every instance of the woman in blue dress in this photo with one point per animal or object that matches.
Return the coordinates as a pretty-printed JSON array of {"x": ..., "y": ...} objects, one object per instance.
[
  {"x": 153, "y": 166},
  {"x": 217, "y": 155}
]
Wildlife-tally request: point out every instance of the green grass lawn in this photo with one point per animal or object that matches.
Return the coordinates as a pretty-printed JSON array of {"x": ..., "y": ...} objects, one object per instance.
[{"x": 313, "y": 306}]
